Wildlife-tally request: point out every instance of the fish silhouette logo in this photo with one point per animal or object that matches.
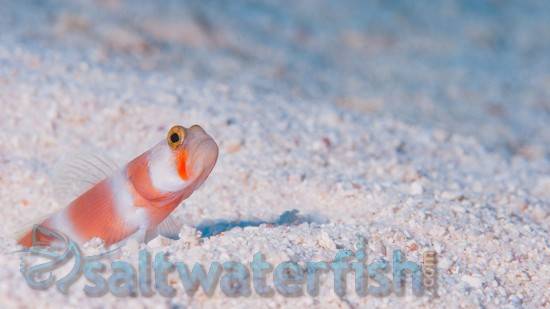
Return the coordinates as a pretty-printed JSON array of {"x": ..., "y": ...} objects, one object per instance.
[{"x": 58, "y": 249}]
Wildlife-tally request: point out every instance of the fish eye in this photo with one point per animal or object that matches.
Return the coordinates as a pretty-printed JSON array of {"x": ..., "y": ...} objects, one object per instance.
[{"x": 175, "y": 136}]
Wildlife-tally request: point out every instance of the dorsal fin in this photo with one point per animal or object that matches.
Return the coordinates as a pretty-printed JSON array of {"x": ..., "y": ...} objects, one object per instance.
[
  {"x": 73, "y": 175},
  {"x": 77, "y": 173}
]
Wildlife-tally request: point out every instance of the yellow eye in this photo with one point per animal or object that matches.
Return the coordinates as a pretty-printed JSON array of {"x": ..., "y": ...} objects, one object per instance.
[{"x": 175, "y": 136}]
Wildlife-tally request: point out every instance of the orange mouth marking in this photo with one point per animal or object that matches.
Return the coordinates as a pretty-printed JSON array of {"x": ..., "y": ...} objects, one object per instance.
[{"x": 181, "y": 162}]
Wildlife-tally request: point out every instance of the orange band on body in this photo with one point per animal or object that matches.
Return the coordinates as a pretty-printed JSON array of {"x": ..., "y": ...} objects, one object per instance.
[{"x": 93, "y": 214}]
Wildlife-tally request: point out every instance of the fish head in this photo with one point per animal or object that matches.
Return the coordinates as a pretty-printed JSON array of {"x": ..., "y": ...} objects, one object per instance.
[
  {"x": 183, "y": 161},
  {"x": 201, "y": 154}
]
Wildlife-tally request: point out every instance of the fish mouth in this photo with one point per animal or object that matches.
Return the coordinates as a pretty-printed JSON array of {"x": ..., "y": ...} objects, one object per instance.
[{"x": 203, "y": 158}]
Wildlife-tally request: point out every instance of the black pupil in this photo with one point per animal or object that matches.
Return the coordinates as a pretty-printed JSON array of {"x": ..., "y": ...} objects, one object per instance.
[{"x": 174, "y": 138}]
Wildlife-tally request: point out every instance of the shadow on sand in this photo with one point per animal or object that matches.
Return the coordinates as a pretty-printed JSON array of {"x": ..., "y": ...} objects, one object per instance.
[{"x": 289, "y": 217}]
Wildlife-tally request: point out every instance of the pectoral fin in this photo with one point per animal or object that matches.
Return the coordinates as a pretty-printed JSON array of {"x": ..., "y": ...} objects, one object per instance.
[{"x": 169, "y": 228}]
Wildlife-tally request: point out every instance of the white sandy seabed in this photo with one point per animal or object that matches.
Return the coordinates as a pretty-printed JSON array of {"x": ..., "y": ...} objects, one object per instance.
[{"x": 401, "y": 186}]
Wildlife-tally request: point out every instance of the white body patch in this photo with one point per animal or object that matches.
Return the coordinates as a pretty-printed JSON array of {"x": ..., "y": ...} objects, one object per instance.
[
  {"x": 163, "y": 170},
  {"x": 61, "y": 222},
  {"x": 134, "y": 217}
]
